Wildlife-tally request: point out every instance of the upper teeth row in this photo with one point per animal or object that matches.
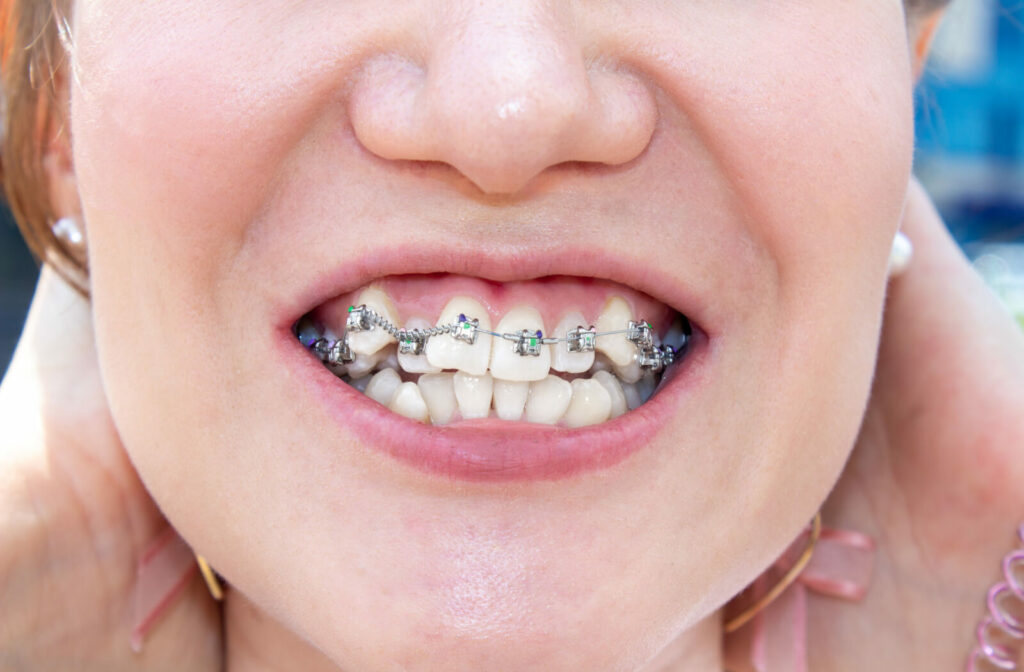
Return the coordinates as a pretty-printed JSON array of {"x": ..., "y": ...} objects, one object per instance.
[{"x": 525, "y": 343}]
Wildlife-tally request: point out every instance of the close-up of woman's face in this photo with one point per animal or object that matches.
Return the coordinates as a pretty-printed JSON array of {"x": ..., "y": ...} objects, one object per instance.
[{"x": 247, "y": 169}]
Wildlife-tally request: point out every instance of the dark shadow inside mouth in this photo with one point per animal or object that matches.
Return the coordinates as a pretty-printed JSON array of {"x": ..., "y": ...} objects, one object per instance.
[{"x": 401, "y": 377}]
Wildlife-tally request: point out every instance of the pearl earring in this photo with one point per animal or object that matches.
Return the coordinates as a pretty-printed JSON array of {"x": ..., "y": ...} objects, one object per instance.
[
  {"x": 68, "y": 230},
  {"x": 901, "y": 254}
]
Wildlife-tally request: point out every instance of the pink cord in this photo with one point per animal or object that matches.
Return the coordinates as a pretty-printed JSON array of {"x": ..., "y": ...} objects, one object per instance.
[{"x": 998, "y": 619}]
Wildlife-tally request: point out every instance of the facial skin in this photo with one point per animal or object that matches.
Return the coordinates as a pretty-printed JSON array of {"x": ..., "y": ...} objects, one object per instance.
[{"x": 228, "y": 154}]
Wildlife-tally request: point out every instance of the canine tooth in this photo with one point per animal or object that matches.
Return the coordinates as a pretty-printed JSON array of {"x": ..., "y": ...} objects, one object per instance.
[
  {"x": 561, "y": 358},
  {"x": 590, "y": 404},
  {"x": 630, "y": 373},
  {"x": 548, "y": 400},
  {"x": 506, "y": 364},
  {"x": 445, "y": 352},
  {"x": 408, "y": 401},
  {"x": 612, "y": 385},
  {"x": 369, "y": 342},
  {"x": 473, "y": 394},
  {"x": 417, "y": 363},
  {"x": 510, "y": 398},
  {"x": 616, "y": 315},
  {"x": 382, "y": 386},
  {"x": 438, "y": 392}
]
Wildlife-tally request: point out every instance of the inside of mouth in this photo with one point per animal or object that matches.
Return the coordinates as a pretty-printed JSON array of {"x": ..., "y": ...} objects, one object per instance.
[{"x": 441, "y": 349}]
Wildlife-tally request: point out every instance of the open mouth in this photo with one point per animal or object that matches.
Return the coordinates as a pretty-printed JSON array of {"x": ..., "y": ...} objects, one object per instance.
[{"x": 445, "y": 349}]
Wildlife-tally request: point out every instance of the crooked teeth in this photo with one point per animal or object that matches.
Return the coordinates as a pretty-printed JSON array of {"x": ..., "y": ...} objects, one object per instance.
[
  {"x": 411, "y": 363},
  {"x": 452, "y": 353},
  {"x": 364, "y": 364},
  {"x": 591, "y": 404},
  {"x": 561, "y": 358},
  {"x": 618, "y": 348},
  {"x": 510, "y": 398},
  {"x": 617, "y": 397},
  {"x": 372, "y": 340},
  {"x": 409, "y": 402},
  {"x": 382, "y": 386},
  {"x": 549, "y": 399},
  {"x": 506, "y": 362},
  {"x": 473, "y": 394},
  {"x": 438, "y": 390}
]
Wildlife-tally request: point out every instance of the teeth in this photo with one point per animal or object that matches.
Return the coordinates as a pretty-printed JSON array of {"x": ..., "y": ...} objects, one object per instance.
[
  {"x": 409, "y": 402},
  {"x": 445, "y": 352},
  {"x": 645, "y": 388},
  {"x": 617, "y": 397},
  {"x": 510, "y": 398},
  {"x": 561, "y": 358},
  {"x": 473, "y": 394},
  {"x": 591, "y": 404},
  {"x": 506, "y": 363},
  {"x": 438, "y": 392},
  {"x": 416, "y": 363},
  {"x": 630, "y": 373},
  {"x": 364, "y": 364},
  {"x": 369, "y": 342},
  {"x": 632, "y": 394},
  {"x": 548, "y": 400},
  {"x": 382, "y": 386},
  {"x": 616, "y": 315}
]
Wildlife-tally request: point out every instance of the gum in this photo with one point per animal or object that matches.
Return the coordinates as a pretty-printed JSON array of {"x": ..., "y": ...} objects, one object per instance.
[{"x": 425, "y": 296}]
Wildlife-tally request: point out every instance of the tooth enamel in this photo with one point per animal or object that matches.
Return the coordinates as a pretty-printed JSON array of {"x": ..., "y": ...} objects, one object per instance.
[
  {"x": 591, "y": 404},
  {"x": 645, "y": 388},
  {"x": 561, "y": 358},
  {"x": 630, "y": 373},
  {"x": 382, "y": 386},
  {"x": 417, "y": 363},
  {"x": 445, "y": 352},
  {"x": 365, "y": 364},
  {"x": 369, "y": 342},
  {"x": 632, "y": 394},
  {"x": 473, "y": 394},
  {"x": 438, "y": 392},
  {"x": 615, "y": 316},
  {"x": 548, "y": 400},
  {"x": 510, "y": 398},
  {"x": 614, "y": 388},
  {"x": 506, "y": 364},
  {"x": 409, "y": 402}
]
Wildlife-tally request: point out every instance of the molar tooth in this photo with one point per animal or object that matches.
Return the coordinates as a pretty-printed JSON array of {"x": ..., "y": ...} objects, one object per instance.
[
  {"x": 645, "y": 387},
  {"x": 438, "y": 392},
  {"x": 561, "y": 358},
  {"x": 616, "y": 315},
  {"x": 549, "y": 398},
  {"x": 510, "y": 398},
  {"x": 409, "y": 402},
  {"x": 417, "y": 363},
  {"x": 473, "y": 394},
  {"x": 612, "y": 385},
  {"x": 632, "y": 394},
  {"x": 369, "y": 342},
  {"x": 382, "y": 386},
  {"x": 506, "y": 364},
  {"x": 591, "y": 404},
  {"x": 445, "y": 352}
]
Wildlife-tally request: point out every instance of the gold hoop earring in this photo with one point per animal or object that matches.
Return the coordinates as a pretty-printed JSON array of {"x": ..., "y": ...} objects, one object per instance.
[{"x": 743, "y": 617}]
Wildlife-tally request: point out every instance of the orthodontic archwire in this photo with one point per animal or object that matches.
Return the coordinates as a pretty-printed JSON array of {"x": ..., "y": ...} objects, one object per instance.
[{"x": 525, "y": 343}]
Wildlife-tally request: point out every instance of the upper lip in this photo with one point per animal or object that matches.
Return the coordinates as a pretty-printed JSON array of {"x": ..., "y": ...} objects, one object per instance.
[{"x": 522, "y": 262}]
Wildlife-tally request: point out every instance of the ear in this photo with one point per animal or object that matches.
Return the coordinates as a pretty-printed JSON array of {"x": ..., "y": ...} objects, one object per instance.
[
  {"x": 922, "y": 34},
  {"x": 54, "y": 137}
]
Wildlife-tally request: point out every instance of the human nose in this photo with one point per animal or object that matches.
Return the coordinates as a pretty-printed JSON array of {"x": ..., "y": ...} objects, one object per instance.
[{"x": 501, "y": 91}]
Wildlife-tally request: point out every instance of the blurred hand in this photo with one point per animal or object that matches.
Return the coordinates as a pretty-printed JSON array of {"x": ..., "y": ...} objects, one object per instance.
[{"x": 74, "y": 517}]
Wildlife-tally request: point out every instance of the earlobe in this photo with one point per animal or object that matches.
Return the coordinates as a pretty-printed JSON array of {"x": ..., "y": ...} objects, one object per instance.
[
  {"x": 56, "y": 160},
  {"x": 923, "y": 34}
]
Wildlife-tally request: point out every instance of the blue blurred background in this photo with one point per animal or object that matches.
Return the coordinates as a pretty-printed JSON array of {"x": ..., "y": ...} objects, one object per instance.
[{"x": 970, "y": 126}]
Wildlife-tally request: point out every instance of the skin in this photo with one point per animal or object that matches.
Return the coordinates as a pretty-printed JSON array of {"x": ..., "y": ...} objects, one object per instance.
[{"x": 779, "y": 148}]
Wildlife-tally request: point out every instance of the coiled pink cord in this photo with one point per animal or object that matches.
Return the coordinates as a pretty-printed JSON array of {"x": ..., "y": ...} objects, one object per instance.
[{"x": 998, "y": 619}]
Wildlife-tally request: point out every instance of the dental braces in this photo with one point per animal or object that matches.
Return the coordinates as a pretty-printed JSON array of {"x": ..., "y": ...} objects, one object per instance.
[{"x": 525, "y": 343}]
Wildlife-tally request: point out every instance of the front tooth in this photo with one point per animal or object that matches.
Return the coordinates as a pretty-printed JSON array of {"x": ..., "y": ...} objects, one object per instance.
[
  {"x": 612, "y": 385},
  {"x": 417, "y": 363},
  {"x": 445, "y": 352},
  {"x": 364, "y": 364},
  {"x": 382, "y": 386},
  {"x": 510, "y": 398},
  {"x": 409, "y": 402},
  {"x": 615, "y": 316},
  {"x": 549, "y": 398},
  {"x": 473, "y": 394},
  {"x": 506, "y": 363},
  {"x": 561, "y": 358},
  {"x": 369, "y": 342},
  {"x": 438, "y": 392},
  {"x": 591, "y": 404}
]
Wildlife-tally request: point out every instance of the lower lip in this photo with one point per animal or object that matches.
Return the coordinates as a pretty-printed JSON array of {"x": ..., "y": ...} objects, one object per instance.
[{"x": 499, "y": 451}]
